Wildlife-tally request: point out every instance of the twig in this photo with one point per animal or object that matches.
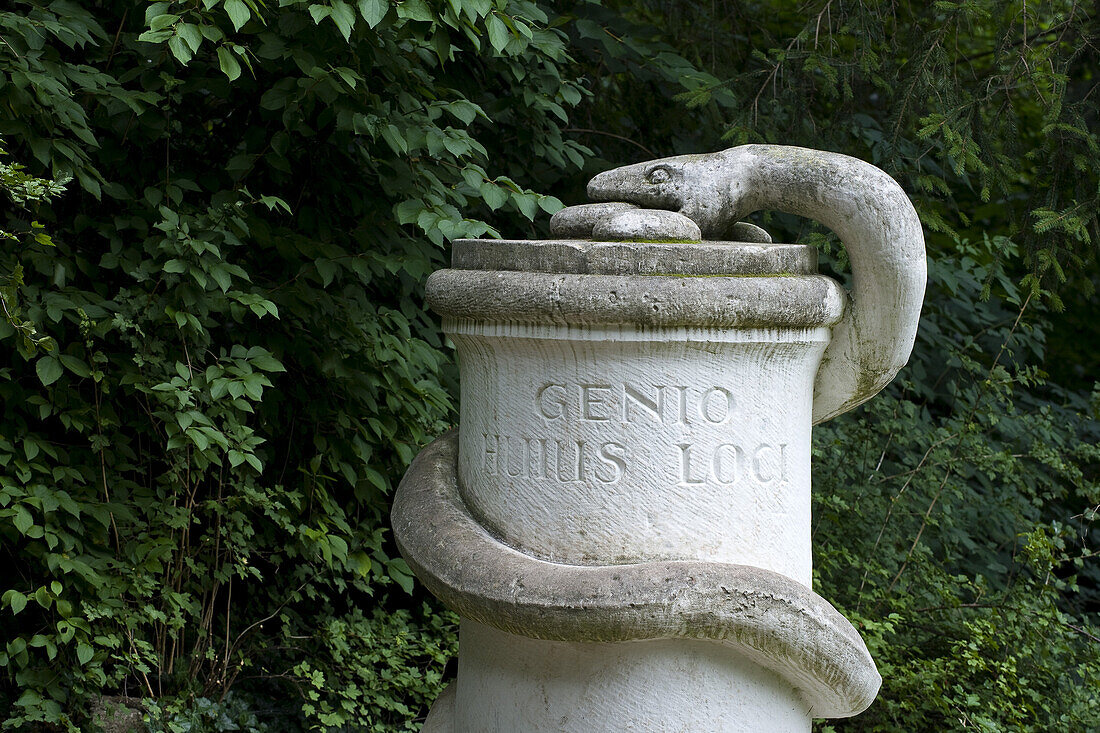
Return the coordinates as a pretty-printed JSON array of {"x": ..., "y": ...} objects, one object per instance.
[
  {"x": 591, "y": 131},
  {"x": 955, "y": 451},
  {"x": 998, "y": 607}
]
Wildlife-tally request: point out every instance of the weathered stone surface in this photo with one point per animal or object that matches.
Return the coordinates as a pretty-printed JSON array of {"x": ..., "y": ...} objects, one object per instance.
[
  {"x": 118, "y": 714},
  {"x": 804, "y": 301},
  {"x": 633, "y": 258},
  {"x": 865, "y": 207},
  {"x": 441, "y": 716},
  {"x": 624, "y": 520},
  {"x": 677, "y": 685},
  {"x": 744, "y": 231},
  {"x": 576, "y": 222},
  {"x": 647, "y": 225},
  {"x": 769, "y": 619}
]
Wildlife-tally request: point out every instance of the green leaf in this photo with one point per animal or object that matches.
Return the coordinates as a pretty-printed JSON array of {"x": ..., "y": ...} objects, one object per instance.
[
  {"x": 238, "y": 14},
  {"x": 344, "y": 17},
  {"x": 373, "y": 11},
  {"x": 527, "y": 203},
  {"x": 179, "y": 49},
  {"x": 327, "y": 270},
  {"x": 360, "y": 563},
  {"x": 494, "y": 195},
  {"x": 550, "y": 204},
  {"x": 16, "y": 600},
  {"x": 463, "y": 110},
  {"x": 499, "y": 35},
  {"x": 400, "y": 572},
  {"x": 75, "y": 365},
  {"x": 267, "y": 363},
  {"x": 228, "y": 63},
  {"x": 415, "y": 10},
  {"x": 162, "y": 21},
  {"x": 190, "y": 34},
  {"x": 49, "y": 370},
  {"x": 84, "y": 653}
]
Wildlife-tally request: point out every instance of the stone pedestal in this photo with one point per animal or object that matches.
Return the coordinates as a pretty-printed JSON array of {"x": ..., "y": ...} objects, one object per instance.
[{"x": 623, "y": 519}]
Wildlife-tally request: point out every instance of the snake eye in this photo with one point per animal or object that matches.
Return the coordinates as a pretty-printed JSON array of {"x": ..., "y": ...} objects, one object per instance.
[{"x": 659, "y": 174}]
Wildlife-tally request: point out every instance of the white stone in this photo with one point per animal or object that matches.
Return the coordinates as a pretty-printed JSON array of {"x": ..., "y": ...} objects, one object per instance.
[
  {"x": 866, "y": 208},
  {"x": 757, "y": 615},
  {"x": 623, "y": 520},
  {"x": 647, "y": 225},
  {"x": 552, "y": 687},
  {"x": 621, "y": 444},
  {"x": 577, "y": 221}
]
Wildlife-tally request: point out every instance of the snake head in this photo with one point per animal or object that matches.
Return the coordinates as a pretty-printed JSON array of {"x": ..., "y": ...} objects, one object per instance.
[{"x": 708, "y": 189}]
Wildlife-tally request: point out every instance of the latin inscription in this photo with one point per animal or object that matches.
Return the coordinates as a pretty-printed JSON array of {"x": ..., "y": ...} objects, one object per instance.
[
  {"x": 561, "y": 460},
  {"x": 665, "y": 405},
  {"x": 727, "y": 464},
  {"x": 609, "y": 461}
]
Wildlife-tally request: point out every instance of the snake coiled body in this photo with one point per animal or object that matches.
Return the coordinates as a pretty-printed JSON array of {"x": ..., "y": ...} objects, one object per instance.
[{"x": 866, "y": 208}]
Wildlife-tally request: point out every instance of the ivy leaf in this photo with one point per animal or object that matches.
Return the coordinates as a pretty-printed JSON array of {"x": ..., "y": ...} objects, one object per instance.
[
  {"x": 49, "y": 370},
  {"x": 84, "y": 653}
]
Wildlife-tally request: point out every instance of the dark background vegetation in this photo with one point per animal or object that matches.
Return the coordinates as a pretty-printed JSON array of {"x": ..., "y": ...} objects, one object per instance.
[{"x": 217, "y": 361}]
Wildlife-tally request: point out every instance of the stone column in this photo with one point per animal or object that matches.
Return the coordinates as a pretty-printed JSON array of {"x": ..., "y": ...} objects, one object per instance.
[{"x": 623, "y": 519}]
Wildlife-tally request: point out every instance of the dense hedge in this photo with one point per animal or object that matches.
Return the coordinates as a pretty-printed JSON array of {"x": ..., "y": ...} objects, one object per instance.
[{"x": 219, "y": 364}]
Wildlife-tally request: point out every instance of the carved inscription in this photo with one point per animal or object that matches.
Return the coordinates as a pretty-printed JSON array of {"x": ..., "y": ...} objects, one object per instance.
[
  {"x": 726, "y": 464},
  {"x": 561, "y": 460},
  {"x": 607, "y": 461},
  {"x": 667, "y": 405}
]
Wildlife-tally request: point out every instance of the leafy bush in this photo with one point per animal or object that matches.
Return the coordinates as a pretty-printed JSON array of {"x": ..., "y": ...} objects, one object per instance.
[
  {"x": 198, "y": 469},
  {"x": 218, "y": 361}
]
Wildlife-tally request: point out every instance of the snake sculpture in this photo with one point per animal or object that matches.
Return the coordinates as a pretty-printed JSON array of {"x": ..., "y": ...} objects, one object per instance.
[
  {"x": 866, "y": 208},
  {"x": 766, "y": 616}
]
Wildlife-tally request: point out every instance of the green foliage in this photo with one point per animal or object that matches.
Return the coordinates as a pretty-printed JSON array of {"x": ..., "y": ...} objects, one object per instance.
[
  {"x": 955, "y": 513},
  {"x": 374, "y": 674},
  {"x": 26, "y": 193},
  {"x": 218, "y": 361},
  {"x": 199, "y": 470}
]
